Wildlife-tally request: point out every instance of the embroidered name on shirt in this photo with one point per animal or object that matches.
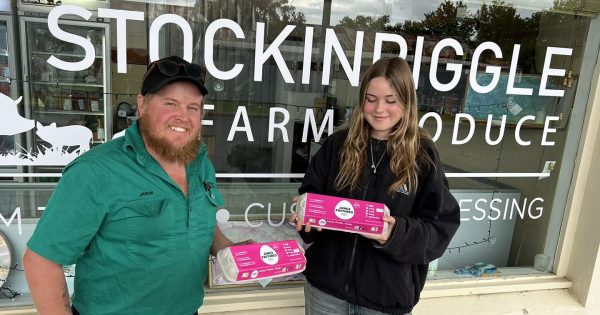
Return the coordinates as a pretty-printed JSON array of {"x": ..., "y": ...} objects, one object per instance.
[
  {"x": 403, "y": 190},
  {"x": 146, "y": 193}
]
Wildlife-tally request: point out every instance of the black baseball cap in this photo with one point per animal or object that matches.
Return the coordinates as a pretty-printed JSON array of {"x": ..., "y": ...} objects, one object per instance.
[{"x": 171, "y": 69}]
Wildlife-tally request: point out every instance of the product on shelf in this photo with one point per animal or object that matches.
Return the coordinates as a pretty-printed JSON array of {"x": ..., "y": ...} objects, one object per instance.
[
  {"x": 67, "y": 102},
  {"x": 100, "y": 130}
]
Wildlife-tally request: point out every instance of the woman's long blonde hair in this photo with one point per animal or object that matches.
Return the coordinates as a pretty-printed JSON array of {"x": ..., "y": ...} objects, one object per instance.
[{"x": 403, "y": 145}]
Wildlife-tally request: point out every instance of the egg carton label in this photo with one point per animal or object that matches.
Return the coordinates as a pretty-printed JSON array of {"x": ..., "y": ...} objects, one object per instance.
[
  {"x": 342, "y": 214},
  {"x": 252, "y": 262}
]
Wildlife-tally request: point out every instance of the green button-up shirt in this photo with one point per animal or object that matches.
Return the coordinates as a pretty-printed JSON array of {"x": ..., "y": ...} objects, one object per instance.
[{"x": 139, "y": 244}]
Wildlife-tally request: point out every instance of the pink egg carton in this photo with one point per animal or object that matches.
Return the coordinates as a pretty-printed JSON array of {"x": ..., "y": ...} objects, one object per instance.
[
  {"x": 342, "y": 214},
  {"x": 253, "y": 262}
]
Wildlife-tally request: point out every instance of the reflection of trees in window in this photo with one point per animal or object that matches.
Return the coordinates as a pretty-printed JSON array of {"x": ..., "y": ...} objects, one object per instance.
[
  {"x": 498, "y": 22},
  {"x": 583, "y": 7},
  {"x": 276, "y": 14},
  {"x": 365, "y": 23},
  {"x": 445, "y": 21}
]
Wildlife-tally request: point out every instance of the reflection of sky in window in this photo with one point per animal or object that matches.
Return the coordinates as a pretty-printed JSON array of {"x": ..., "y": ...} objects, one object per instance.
[
  {"x": 399, "y": 10},
  {"x": 524, "y": 7}
]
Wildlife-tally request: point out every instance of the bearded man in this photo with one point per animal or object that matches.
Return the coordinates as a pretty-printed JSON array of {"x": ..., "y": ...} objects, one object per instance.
[{"x": 136, "y": 215}]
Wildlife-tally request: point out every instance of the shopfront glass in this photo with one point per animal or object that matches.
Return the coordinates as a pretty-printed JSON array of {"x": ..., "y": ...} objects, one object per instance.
[{"x": 497, "y": 83}]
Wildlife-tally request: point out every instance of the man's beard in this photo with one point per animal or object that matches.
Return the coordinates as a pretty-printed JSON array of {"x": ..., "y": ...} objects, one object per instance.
[{"x": 165, "y": 149}]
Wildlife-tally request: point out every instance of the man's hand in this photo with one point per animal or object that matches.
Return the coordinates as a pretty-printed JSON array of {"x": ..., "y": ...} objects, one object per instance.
[
  {"x": 221, "y": 241},
  {"x": 246, "y": 242}
]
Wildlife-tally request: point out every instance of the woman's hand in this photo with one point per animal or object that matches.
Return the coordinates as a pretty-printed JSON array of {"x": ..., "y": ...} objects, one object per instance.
[
  {"x": 307, "y": 227},
  {"x": 294, "y": 220},
  {"x": 383, "y": 239}
]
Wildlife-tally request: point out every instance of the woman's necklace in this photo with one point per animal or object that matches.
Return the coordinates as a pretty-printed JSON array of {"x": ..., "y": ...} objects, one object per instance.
[{"x": 373, "y": 165}]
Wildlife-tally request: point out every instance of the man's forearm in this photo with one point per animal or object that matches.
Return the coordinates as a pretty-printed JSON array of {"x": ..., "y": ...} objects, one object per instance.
[
  {"x": 220, "y": 241},
  {"x": 47, "y": 283}
]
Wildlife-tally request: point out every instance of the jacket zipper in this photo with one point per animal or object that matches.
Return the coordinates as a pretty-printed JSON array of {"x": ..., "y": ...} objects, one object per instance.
[
  {"x": 355, "y": 242},
  {"x": 351, "y": 264}
]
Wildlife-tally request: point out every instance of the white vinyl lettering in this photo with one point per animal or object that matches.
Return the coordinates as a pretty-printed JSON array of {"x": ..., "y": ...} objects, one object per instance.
[
  {"x": 488, "y": 130},
  {"x": 438, "y": 121},
  {"x": 518, "y": 130},
  {"x": 121, "y": 17},
  {"x": 209, "y": 47},
  {"x": 471, "y": 121},
  {"x": 331, "y": 42},
  {"x": 256, "y": 204},
  {"x": 510, "y": 86},
  {"x": 309, "y": 120},
  {"x": 16, "y": 214},
  {"x": 206, "y": 108},
  {"x": 547, "y": 71},
  {"x": 510, "y": 209},
  {"x": 261, "y": 57},
  {"x": 417, "y": 62},
  {"x": 241, "y": 112},
  {"x": 154, "y": 39},
  {"x": 385, "y": 37},
  {"x": 281, "y": 125},
  {"x": 306, "y": 60},
  {"x": 90, "y": 52},
  {"x": 494, "y": 70},
  {"x": 547, "y": 130},
  {"x": 450, "y": 66}
]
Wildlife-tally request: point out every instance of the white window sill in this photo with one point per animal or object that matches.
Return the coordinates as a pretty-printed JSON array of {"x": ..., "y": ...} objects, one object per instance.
[
  {"x": 473, "y": 286},
  {"x": 277, "y": 297},
  {"x": 512, "y": 280}
]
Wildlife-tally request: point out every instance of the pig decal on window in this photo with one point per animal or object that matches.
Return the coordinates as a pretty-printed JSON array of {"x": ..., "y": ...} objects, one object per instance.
[
  {"x": 11, "y": 123},
  {"x": 60, "y": 137},
  {"x": 119, "y": 134}
]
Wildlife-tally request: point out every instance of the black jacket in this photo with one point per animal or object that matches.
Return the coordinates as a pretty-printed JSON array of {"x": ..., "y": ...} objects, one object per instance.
[{"x": 349, "y": 266}]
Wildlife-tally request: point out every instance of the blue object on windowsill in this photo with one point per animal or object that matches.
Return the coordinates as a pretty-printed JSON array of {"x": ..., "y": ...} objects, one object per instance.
[{"x": 476, "y": 270}]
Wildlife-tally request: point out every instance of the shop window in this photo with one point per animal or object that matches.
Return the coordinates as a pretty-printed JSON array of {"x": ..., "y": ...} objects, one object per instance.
[{"x": 502, "y": 148}]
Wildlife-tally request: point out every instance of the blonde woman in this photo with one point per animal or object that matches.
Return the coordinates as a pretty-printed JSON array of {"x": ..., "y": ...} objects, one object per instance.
[{"x": 385, "y": 157}]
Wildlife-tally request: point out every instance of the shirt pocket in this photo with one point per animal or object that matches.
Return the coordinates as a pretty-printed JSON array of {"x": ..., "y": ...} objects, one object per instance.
[
  {"x": 203, "y": 214},
  {"x": 149, "y": 229}
]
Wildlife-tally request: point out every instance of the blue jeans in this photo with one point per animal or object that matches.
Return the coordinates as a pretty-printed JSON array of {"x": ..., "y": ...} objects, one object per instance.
[
  {"x": 317, "y": 302},
  {"x": 75, "y": 312}
]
